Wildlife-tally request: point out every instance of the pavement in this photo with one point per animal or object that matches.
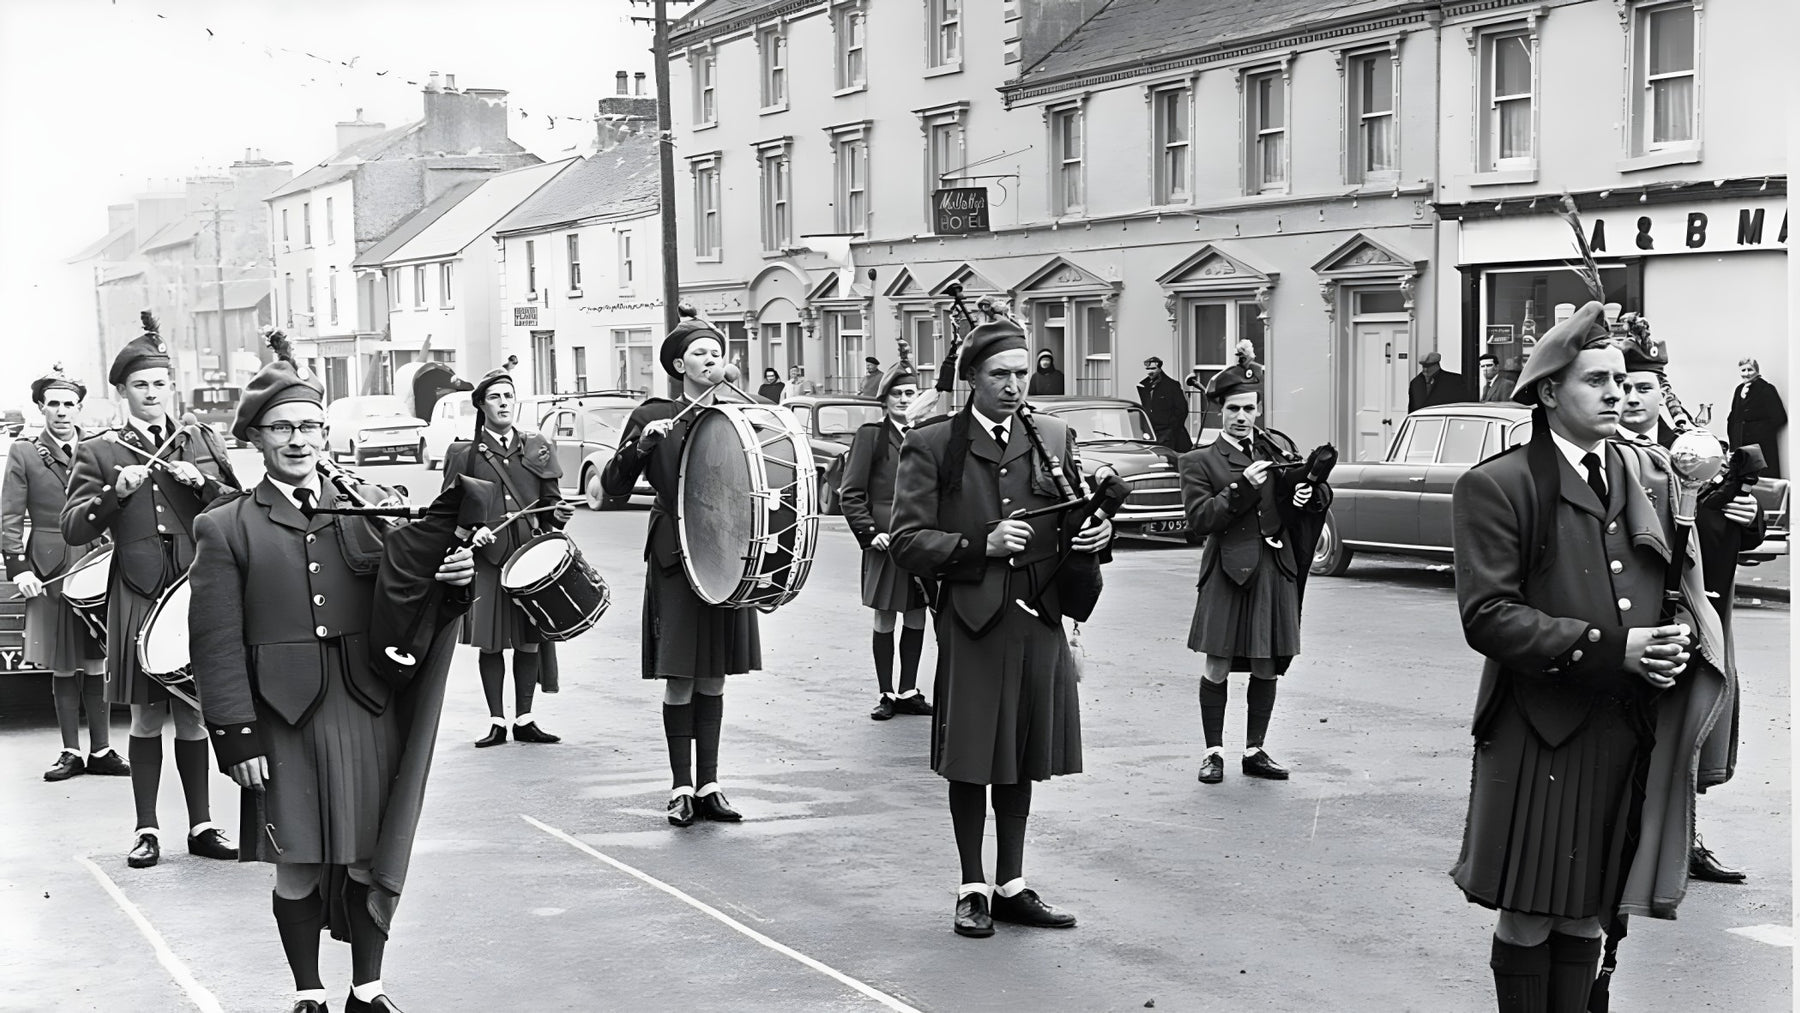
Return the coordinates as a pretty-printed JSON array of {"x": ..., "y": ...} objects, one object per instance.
[
  {"x": 1771, "y": 580},
  {"x": 546, "y": 877}
]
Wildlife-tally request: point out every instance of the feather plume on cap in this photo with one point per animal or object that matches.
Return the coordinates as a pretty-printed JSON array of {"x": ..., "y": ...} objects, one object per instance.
[
  {"x": 149, "y": 321},
  {"x": 1587, "y": 270},
  {"x": 283, "y": 347}
]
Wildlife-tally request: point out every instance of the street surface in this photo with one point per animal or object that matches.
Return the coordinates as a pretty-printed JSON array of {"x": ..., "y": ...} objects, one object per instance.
[{"x": 546, "y": 877}]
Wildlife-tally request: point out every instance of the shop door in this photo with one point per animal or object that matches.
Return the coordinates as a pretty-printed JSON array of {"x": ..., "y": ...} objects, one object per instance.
[
  {"x": 543, "y": 355},
  {"x": 1378, "y": 387}
]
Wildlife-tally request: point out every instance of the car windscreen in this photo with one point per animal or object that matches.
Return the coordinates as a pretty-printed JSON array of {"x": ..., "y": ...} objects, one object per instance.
[
  {"x": 1097, "y": 425},
  {"x": 845, "y": 419},
  {"x": 381, "y": 407},
  {"x": 606, "y": 423}
]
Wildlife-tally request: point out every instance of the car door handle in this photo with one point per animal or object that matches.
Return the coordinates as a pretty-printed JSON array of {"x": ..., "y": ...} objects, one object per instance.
[{"x": 1415, "y": 478}]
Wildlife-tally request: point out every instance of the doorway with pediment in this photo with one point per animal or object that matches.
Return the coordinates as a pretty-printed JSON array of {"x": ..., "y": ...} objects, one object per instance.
[
  {"x": 1368, "y": 289},
  {"x": 1214, "y": 301}
]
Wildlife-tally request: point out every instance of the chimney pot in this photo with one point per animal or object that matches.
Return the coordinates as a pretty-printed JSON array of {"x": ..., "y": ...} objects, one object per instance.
[
  {"x": 249, "y": 155},
  {"x": 449, "y": 82},
  {"x": 620, "y": 79},
  {"x": 640, "y": 82},
  {"x": 432, "y": 83}
]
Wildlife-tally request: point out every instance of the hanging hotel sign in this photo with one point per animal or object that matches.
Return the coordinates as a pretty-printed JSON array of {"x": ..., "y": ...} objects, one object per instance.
[
  {"x": 1648, "y": 230},
  {"x": 959, "y": 210},
  {"x": 525, "y": 316}
]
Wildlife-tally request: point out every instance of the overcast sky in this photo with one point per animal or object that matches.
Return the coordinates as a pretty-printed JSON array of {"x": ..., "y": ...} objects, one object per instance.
[{"x": 103, "y": 99}]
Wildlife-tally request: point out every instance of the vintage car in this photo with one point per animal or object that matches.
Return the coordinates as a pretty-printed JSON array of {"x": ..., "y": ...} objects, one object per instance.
[
  {"x": 586, "y": 428},
  {"x": 12, "y": 631},
  {"x": 1401, "y": 505},
  {"x": 374, "y": 425},
  {"x": 830, "y": 423},
  {"x": 452, "y": 419},
  {"x": 1117, "y": 432}
]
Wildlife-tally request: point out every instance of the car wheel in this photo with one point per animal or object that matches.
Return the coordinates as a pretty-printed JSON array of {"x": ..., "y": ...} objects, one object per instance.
[
  {"x": 419, "y": 454},
  {"x": 1331, "y": 557},
  {"x": 828, "y": 497}
]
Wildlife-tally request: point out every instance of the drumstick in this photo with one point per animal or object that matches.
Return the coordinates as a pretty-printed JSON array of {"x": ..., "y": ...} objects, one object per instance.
[
  {"x": 150, "y": 458},
  {"x": 506, "y": 519}
]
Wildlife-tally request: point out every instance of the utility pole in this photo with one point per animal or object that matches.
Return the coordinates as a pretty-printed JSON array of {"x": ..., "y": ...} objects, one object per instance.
[
  {"x": 671, "y": 277},
  {"x": 219, "y": 280}
]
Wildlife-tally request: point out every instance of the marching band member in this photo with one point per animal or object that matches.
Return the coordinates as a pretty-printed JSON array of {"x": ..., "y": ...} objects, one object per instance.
[
  {"x": 149, "y": 511},
  {"x": 279, "y": 624},
  {"x": 690, "y": 645},
  {"x": 1007, "y": 709},
  {"x": 523, "y": 464},
  {"x": 35, "y": 491},
  {"x": 867, "y": 498}
]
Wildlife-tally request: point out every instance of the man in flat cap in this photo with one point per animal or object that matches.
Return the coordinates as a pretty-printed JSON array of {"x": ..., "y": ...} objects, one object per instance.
[
  {"x": 523, "y": 464},
  {"x": 1433, "y": 385},
  {"x": 1167, "y": 406},
  {"x": 688, "y": 644},
  {"x": 871, "y": 381},
  {"x": 33, "y": 494},
  {"x": 298, "y": 716},
  {"x": 1007, "y": 712},
  {"x": 148, "y": 508},
  {"x": 1563, "y": 557},
  {"x": 1247, "y": 613}
]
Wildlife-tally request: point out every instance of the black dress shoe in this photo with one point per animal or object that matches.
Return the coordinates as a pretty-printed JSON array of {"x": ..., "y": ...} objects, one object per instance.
[
  {"x": 109, "y": 765},
  {"x": 212, "y": 843},
  {"x": 1025, "y": 908},
  {"x": 884, "y": 709},
  {"x": 972, "y": 918},
  {"x": 1704, "y": 865},
  {"x": 915, "y": 704},
  {"x": 67, "y": 765},
  {"x": 379, "y": 1004},
  {"x": 1212, "y": 769},
  {"x": 681, "y": 811},
  {"x": 145, "y": 853},
  {"x": 496, "y": 736},
  {"x": 714, "y": 807},
  {"x": 530, "y": 732},
  {"x": 310, "y": 1006},
  {"x": 1258, "y": 764}
]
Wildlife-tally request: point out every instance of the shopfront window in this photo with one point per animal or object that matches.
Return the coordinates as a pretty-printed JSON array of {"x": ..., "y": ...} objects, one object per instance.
[{"x": 1519, "y": 304}]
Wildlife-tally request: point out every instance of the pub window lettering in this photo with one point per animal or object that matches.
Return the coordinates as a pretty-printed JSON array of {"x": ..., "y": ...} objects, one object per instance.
[{"x": 1695, "y": 228}]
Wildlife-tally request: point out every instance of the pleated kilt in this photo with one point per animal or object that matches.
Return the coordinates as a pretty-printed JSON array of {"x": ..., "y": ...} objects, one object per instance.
[
  {"x": 1260, "y": 619},
  {"x": 493, "y": 622},
  {"x": 886, "y": 587},
  {"x": 1006, "y": 706},
  {"x": 329, "y": 780},
  {"x": 1543, "y": 831},
  {"x": 126, "y": 611},
  {"x": 685, "y": 638},
  {"x": 55, "y": 636}
]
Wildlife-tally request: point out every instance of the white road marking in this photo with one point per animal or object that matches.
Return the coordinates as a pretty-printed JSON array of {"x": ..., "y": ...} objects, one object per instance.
[
  {"x": 1774, "y": 935},
  {"x": 874, "y": 993},
  {"x": 197, "y": 993}
]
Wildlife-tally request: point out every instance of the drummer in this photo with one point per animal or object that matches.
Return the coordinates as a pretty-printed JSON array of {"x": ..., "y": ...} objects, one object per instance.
[
  {"x": 34, "y": 493},
  {"x": 149, "y": 511},
  {"x": 523, "y": 464},
  {"x": 868, "y": 501},
  {"x": 689, "y": 644}
]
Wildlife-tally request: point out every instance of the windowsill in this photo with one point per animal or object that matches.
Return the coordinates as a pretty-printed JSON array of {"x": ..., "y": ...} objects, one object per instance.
[
  {"x": 1500, "y": 177},
  {"x": 705, "y": 126},
  {"x": 769, "y": 110},
  {"x": 946, "y": 69},
  {"x": 1686, "y": 154},
  {"x": 1173, "y": 204},
  {"x": 714, "y": 258},
  {"x": 574, "y": 293},
  {"x": 852, "y": 90},
  {"x": 1269, "y": 191}
]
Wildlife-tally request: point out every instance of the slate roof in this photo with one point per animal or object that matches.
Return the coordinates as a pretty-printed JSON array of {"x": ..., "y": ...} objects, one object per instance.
[
  {"x": 182, "y": 230},
  {"x": 239, "y": 295},
  {"x": 99, "y": 245},
  {"x": 609, "y": 184},
  {"x": 1128, "y": 32},
  {"x": 474, "y": 217},
  {"x": 406, "y": 230},
  {"x": 714, "y": 17},
  {"x": 344, "y": 162}
]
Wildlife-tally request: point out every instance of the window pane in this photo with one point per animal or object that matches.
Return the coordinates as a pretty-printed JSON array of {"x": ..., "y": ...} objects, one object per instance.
[
  {"x": 1273, "y": 147},
  {"x": 1512, "y": 65},
  {"x": 1671, "y": 40},
  {"x": 1673, "y": 101},
  {"x": 1210, "y": 335},
  {"x": 1515, "y": 128},
  {"x": 1463, "y": 440},
  {"x": 1378, "y": 143},
  {"x": 1377, "y": 84},
  {"x": 1250, "y": 325},
  {"x": 1269, "y": 111},
  {"x": 1422, "y": 440},
  {"x": 1099, "y": 335}
]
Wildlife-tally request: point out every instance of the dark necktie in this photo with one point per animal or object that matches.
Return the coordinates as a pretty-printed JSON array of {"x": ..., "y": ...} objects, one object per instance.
[
  {"x": 68, "y": 451},
  {"x": 1000, "y": 436},
  {"x": 304, "y": 497},
  {"x": 155, "y": 438},
  {"x": 1595, "y": 480}
]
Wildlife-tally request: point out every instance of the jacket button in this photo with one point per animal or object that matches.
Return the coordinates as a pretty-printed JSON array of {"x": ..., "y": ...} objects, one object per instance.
[
  {"x": 159, "y": 508},
  {"x": 1624, "y": 604},
  {"x": 1576, "y": 656},
  {"x": 218, "y": 731},
  {"x": 318, "y": 599},
  {"x": 320, "y": 630},
  {"x": 162, "y": 529},
  {"x": 1005, "y": 500},
  {"x": 311, "y": 539},
  {"x": 1618, "y": 567},
  {"x": 106, "y": 488},
  {"x": 1002, "y": 471},
  {"x": 312, "y": 568},
  {"x": 1593, "y": 635},
  {"x": 1614, "y": 526}
]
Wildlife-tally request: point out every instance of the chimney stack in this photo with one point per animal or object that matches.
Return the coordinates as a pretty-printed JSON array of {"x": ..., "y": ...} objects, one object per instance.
[
  {"x": 432, "y": 84},
  {"x": 450, "y": 82},
  {"x": 458, "y": 122},
  {"x": 640, "y": 83},
  {"x": 351, "y": 131},
  {"x": 622, "y": 88}
]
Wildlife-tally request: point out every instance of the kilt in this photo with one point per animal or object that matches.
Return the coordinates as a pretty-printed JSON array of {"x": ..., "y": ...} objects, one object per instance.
[
  {"x": 1541, "y": 836},
  {"x": 493, "y": 622},
  {"x": 685, "y": 638},
  {"x": 1260, "y": 619},
  {"x": 55, "y": 637},
  {"x": 886, "y": 587},
  {"x": 329, "y": 780},
  {"x": 126, "y": 611},
  {"x": 1006, "y": 706}
]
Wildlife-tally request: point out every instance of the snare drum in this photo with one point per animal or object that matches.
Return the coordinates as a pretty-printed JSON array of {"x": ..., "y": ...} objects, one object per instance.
[
  {"x": 84, "y": 587},
  {"x": 549, "y": 581},
  {"x": 162, "y": 642},
  {"x": 747, "y": 516}
]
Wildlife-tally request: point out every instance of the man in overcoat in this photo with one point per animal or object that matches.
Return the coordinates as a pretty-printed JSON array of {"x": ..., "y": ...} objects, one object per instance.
[
  {"x": 300, "y": 719},
  {"x": 1007, "y": 708},
  {"x": 1564, "y": 549},
  {"x": 149, "y": 510},
  {"x": 1433, "y": 385},
  {"x": 35, "y": 490},
  {"x": 1494, "y": 387},
  {"x": 1757, "y": 415},
  {"x": 1167, "y": 406},
  {"x": 523, "y": 464}
]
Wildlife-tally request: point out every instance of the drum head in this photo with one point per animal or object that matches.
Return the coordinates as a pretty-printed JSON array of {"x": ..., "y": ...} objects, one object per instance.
[
  {"x": 535, "y": 562},
  {"x": 86, "y": 582},
  {"x": 163, "y": 642},
  {"x": 716, "y": 508}
]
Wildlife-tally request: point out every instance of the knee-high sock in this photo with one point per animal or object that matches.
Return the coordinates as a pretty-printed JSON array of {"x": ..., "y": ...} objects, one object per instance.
[
  {"x": 65, "y": 693},
  {"x": 1012, "y": 807},
  {"x": 1573, "y": 962},
  {"x": 1259, "y": 701},
  {"x": 525, "y": 677},
  {"x": 299, "y": 923},
  {"x": 709, "y": 714},
  {"x": 191, "y": 763},
  {"x": 1212, "y": 711},
  {"x": 678, "y": 728},
  {"x": 493, "y": 682},
  {"x": 968, "y": 817},
  {"x": 99, "y": 713},
  {"x": 912, "y": 644},
  {"x": 884, "y": 660},
  {"x": 1521, "y": 977},
  {"x": 146, "y": 755},
  {"x": 367, "y": 941}
]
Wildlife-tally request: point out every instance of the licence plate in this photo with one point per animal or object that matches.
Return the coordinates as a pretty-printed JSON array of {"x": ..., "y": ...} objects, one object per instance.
[{"x": 1166, "y": 528}]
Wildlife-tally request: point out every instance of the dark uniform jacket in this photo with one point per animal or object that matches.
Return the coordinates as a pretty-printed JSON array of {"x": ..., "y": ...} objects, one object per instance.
[
  {"x": 942, "y": 533},
  {"x": 526, "y": 467},
  {"x": 1220, "y": 504},
  {"x": 1167, "y": 406},
  {"x": 33, "y": 494},
  {"x": 270, "y": 591},
  {"x": 1445, "y": 388},
  {"x": 867, "y": 493},
  {"x": 161, "y": 507}
]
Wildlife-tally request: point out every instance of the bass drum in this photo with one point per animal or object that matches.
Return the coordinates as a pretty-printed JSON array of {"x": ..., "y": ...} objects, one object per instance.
[
  {"x": 162, "y": 642},
  {"x": 748, "y": 516},
  {"x": 84, "y": 587}
]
